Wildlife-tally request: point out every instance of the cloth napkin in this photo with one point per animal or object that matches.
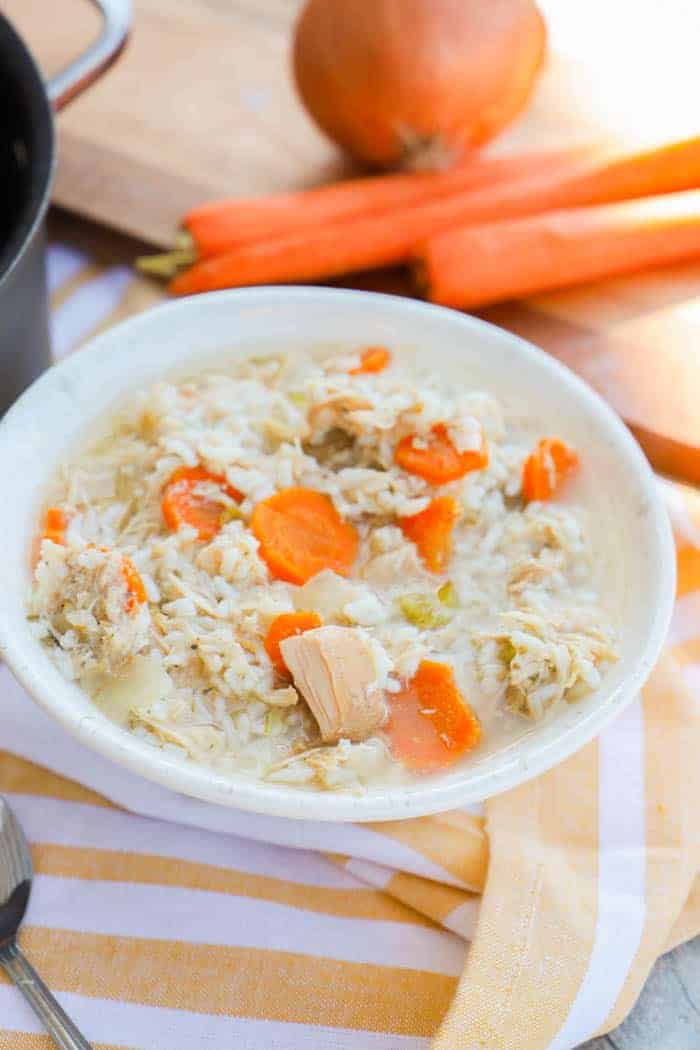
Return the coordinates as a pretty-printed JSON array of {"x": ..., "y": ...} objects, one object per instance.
[{"x": 164, "y": 923}]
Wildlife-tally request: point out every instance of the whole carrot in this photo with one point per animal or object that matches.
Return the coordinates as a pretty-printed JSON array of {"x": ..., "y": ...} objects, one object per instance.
[
  {"x": 217, "y": 226},
  {"x": 387, "y": 238},
  {"x": 221, "y": 226},
  {"x": 316, "y": 253},
  {"x": 483, "y": 264}
]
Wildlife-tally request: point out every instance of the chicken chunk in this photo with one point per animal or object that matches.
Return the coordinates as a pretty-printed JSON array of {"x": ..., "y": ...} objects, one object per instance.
[
  {"x": 335, "y": 671},
  {"x": 92, "y": 599}
]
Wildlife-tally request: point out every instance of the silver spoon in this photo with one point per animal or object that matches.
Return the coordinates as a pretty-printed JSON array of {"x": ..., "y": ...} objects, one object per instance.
[{"x": 15, "y": 883}]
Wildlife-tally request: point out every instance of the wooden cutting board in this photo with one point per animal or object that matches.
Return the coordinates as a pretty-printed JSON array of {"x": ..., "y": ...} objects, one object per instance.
[{"x": 200, "y": 105}]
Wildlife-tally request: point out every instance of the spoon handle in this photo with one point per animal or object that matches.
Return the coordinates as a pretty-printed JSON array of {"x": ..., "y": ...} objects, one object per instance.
[{"x": 57, "y": 1023}]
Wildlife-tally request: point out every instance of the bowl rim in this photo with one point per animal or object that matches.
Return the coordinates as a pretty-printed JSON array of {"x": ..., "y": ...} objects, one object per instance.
[{"x": 391, "y": 803}]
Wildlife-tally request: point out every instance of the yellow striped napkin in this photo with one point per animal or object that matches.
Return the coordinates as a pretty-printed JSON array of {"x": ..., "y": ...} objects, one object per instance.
[{"x": 164, "y": 922}]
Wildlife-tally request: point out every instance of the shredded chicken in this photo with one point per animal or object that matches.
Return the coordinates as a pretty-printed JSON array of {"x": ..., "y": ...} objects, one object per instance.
[
  {"x": 334, "y": 670},
  {"x": 83, "y": 596}
]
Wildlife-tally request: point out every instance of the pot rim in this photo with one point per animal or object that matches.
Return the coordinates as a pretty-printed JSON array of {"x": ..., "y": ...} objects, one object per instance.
[{"x": 33, "y": 85}]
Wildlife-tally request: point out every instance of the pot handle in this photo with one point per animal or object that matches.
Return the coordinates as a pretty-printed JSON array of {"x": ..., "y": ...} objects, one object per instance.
[{"x": 116, "y": 21}]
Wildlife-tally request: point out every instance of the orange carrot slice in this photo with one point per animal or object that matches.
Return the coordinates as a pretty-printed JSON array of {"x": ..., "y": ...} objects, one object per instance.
[
  {"x": 373, "y": 359},
  {"x": 55, "y": 525},
  {"x": 136, "y": 592},
  {"x": 430, "y": 725},
  {"x": 135, "y": 589},
  {"x": 300, "y": 533},
  {"x": 182, "y": 504},
  {"x": 546, "y": 468},
  {"x": 439, "y": 462},
  {"x": 285, "y": 626},
  {"x": 431, "y": 531},
  {"x": 54, "y": 529}
]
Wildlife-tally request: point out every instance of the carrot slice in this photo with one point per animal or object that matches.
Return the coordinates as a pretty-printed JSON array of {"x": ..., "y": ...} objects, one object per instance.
[
  {"x": 373, "y": 359},
  {"x": 300, "y": 533},
  {"x": 135, "y": 589},
  {"x": 54, "y": 529},
  {"x": 183, "y": 504},
  {"x": 439, "y": 462},
  {"x": 431, "y": 531},
  {"x": 546, "y": 468},
  {"x": 136, "y": 592},
  {"x": 284, "y": 626},
  {"x": 55, "y": 525},
  {"x": 430, "y": 725}
]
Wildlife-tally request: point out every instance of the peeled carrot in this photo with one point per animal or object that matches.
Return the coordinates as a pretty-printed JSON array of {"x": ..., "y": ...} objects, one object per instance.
[
  {"x": 477, "y": 265},
  {"x": 438, "y": 461},
  {"x": 300, "y": 533},
  {"x": 430, "y": 725},
  {"x": 431, "y": 531},
  {"x": 389, "y": 237},
  {"x": 546, "y": 468},
  {"x": 285, "y": 626},
  {"x": 136, "y": 592},
  {"x": 219, "y": 225},
  {"x": 182, "y": 504},
  {"x": 373, "y": 359},
  {"x": 55, "y": 525}
]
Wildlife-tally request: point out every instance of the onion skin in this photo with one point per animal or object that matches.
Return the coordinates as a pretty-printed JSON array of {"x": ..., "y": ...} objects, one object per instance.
[{"x": 416, "y": 83}]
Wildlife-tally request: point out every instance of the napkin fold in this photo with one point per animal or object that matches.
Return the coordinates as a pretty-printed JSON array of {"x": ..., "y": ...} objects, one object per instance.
[{"x": 530, "y": 923}]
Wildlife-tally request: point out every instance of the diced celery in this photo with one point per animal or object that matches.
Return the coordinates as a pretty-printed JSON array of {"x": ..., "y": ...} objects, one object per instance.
[
  {"x": 448, "y": 595},
  {"x": 422, "y": 610}
]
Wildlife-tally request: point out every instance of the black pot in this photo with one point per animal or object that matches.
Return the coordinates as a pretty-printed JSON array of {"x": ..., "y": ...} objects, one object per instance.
[{"x": 27, "y": 162}]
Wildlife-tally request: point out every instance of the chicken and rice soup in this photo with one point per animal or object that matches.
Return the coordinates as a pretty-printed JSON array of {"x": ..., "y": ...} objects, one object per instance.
[{"x": 333, "y": 571}]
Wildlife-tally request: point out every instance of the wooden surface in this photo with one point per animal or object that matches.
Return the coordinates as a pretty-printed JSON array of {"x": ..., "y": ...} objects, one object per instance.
[{"x": 201, "y": 104}]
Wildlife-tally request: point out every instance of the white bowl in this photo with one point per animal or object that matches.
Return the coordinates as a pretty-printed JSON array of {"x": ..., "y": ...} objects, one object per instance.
[{"x": 636, "y": 571}]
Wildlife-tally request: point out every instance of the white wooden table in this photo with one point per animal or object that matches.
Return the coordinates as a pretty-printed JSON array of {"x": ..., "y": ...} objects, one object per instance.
[{"x": 667, "y": 1015}]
